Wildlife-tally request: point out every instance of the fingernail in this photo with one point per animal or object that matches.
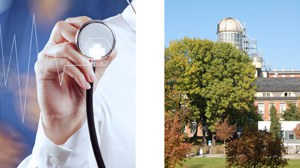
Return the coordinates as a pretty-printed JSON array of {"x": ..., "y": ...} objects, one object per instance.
[
  {"x": 87, "y": 85},
  {"x": 93, "y": 76}
]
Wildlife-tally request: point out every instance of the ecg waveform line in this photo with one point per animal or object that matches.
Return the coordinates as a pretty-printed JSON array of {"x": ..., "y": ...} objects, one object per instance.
[{"x": 6, "y": 72}]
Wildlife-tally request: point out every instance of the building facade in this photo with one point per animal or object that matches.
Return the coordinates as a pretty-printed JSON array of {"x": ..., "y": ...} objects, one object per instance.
[{"x": 278, "y": 92}]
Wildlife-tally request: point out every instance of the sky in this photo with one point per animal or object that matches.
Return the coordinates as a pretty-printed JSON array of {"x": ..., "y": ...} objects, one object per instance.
[{"x": 275, "y": 24}]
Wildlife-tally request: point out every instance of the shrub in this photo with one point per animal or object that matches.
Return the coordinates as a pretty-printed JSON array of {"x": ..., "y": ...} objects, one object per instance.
[{"x": 255, "y": 149}]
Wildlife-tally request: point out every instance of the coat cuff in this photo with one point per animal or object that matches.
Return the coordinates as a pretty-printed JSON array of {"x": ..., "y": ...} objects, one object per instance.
[{"x": 48, "y": 154}]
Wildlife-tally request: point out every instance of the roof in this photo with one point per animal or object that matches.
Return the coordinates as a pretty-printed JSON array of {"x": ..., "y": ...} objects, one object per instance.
[
  {"x": 230, "y": 25},
  {"x": 278, "y": 84},
  {"x": 284, "y": 72}
]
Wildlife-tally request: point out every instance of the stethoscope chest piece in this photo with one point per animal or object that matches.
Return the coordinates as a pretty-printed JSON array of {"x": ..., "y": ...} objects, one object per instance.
[{"x": 95, "y": 40}]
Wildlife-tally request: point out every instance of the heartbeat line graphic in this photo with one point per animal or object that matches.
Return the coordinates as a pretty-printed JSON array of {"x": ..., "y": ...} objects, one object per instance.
[{"x": 6, "y": 71}]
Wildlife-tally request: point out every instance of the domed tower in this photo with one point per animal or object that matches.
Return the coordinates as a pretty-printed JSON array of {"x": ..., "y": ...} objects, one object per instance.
[
  {"x": 230, "y": 30},
  {"x": 257, "y": 61}
]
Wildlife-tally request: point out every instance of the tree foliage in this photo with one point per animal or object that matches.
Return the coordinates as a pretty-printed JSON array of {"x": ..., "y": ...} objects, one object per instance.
[
  {"x": 217, "y": 78},
  {"x": 275, "y": 128},
  {"x": 175, "y": 147},
  {"x": 256, "y": 149},
  {"x": 292, "y": 113},
  {"x": 224, "y": 131}
]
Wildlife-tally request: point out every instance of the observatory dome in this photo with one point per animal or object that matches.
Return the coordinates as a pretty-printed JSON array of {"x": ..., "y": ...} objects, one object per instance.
[{"x": 230, "y": 25}]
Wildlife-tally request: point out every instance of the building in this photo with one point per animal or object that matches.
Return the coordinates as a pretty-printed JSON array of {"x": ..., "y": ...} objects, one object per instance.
[
  {"x": 230, "y": 30},
  {"x": 274, "y": 87},
  {"x": 283, "y": 74},
  {"x": 277, "y": 92}
]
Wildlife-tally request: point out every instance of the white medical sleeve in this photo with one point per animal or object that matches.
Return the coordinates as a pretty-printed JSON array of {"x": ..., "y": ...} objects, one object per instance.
[{"x": 74, "y": 153}]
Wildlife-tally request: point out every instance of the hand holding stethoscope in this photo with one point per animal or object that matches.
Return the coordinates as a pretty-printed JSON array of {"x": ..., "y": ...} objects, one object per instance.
[{"x": 62, "y": 104}]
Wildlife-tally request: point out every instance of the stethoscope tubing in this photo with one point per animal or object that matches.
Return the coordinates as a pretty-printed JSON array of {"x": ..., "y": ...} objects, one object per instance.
[{"x": 91, "y": 126}]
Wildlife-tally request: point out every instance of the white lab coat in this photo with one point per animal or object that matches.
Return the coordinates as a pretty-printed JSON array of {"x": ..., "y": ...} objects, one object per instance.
[{"x": 114, "y": 108}]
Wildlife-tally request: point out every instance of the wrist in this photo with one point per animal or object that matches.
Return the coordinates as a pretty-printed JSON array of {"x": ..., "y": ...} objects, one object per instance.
[{"x": 59, "y": 130}]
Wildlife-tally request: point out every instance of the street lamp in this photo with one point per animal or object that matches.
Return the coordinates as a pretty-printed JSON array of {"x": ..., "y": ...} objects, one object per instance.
[
  {"x": 205, "y": 130},
  {"x": 204, "y": 134}
]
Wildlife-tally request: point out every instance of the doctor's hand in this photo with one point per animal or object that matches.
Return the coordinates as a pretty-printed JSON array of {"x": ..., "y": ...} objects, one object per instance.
[{"x": 61, "y": 83}]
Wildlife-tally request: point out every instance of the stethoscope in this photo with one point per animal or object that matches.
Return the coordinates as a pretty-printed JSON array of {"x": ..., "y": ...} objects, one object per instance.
[{"x": 95, "y": 40}]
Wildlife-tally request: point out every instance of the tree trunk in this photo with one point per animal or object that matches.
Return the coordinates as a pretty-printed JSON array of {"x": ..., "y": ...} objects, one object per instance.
[
  {"x": 204, "y": 137},
  {"x": 213, "y": 140},
  {"x": 224, "y": 147}
]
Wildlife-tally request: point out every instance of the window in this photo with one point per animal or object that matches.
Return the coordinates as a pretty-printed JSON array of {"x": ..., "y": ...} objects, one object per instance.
[
  {"x": 261, "y": 108},
  {"x": 287, "y": 94},
  {"x": 282, "y": 107},
  {"x": 291, "y": 136},
  {"x": 266, "y": 94}
]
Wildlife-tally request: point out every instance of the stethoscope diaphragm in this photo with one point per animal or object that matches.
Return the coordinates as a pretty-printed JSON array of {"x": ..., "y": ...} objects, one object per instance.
[{"x": 95, "y": 40}]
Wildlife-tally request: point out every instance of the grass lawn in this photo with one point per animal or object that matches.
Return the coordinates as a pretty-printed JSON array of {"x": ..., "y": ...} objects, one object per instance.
[{"x": 220, "y": 163}]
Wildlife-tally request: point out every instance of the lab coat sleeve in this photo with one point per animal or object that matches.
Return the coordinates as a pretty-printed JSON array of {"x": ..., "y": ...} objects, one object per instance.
[{"x": 74, "y": 153}]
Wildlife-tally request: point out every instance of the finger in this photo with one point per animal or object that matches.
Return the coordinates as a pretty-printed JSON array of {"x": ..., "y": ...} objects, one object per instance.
[
  {"x": 62, "y": 32},
  {"x": 51, "y": 68},
  {"x": 68, "y": 50},
  {"x": 74, "y": 72},
  {"x": 78, "y": 21}
]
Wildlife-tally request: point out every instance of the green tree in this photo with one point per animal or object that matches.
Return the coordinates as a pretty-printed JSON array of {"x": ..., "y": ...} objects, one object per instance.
[
  {"x": 292, "y": 113},
  {"x": 275, "y": 127},
  {"x": 217, "y": 78}
]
